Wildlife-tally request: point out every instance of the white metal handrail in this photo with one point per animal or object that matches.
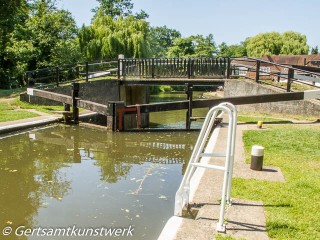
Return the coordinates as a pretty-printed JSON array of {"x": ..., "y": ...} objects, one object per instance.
[{"x": 182, "y": 195}]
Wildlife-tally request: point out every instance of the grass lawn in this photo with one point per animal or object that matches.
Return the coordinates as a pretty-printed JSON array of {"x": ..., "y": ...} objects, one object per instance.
[
  {"x": 249, "y": 119},
  {"x": 40, "y": 108},
  {"x": 6, "y": 116},
  {"x": 294, "y": 86},
  {"x": 9, "y": 93},
  {"x": 292, "y": 208},
  {"x": 275, "y": 116}
]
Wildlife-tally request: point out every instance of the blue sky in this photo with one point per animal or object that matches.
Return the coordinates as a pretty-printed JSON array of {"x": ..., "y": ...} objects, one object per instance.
[{"x": 230, "y": 21}]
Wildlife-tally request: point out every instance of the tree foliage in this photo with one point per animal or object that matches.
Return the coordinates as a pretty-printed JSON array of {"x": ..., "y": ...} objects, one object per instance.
[
  {"x": 161, "y": 38},
  {"x": 11, "y": 13},
  {"x": 45, "y": 39},
  {"x": 315, "y": 50},
  {"x": 274, "y": 43},
  {"x": 108, "y": 37},
  {"x": 117, "y": 8},
  {"x": 193, "y": 46},
  {"x": 232, "y": 50}
]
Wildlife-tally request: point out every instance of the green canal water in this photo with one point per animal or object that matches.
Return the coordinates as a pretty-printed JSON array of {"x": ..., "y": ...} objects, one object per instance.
[{"x": 62, "y": 176}]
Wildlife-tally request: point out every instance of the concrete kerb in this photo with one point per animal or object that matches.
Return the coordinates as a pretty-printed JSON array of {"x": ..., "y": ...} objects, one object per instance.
[
  {"x": 172, "y": 226},
  {"x": 245, "y": 218},
  {"x": 31, "y": 123}
]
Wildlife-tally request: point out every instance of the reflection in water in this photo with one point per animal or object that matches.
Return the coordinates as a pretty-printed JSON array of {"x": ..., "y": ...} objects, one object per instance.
[
  {"x": 175, "y": 119},
  {"x": 67, "y": 175}
]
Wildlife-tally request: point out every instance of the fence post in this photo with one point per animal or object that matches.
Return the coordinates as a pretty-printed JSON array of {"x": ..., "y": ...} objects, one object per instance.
[
  {"x": 258, "y": 71},
  {"x": 290, "y": 76},
  {"x": 57, "y": 76},
  {"x": 189, "y": 68},
  {"x": 152, "y": 68},
  {"x": 87, "y": 71},
  {"x": 77, "y": 72},
  {"x": 188, "y": 90},
  {"x": 75, "y": 95},
  {"x": 120, "y": 65},
  {"x": 229, "y": 68}
]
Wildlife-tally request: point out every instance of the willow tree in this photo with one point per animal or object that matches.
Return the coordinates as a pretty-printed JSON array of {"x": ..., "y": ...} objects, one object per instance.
[{"x": 108, "y": 37}]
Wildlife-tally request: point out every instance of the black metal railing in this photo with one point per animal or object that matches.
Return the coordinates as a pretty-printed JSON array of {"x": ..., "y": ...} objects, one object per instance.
[
  {"x": 260, "y": 70},
  {"x": 174, "y": 67},
  {"x": 55, "y": 76}
]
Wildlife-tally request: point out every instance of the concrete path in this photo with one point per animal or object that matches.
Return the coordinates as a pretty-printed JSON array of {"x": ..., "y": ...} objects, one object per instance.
[
  {"x": 44, "y": 119},
  {"x": 245, "y": 218}
]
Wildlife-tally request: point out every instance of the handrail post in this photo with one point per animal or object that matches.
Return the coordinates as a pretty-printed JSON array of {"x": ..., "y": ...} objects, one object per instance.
[
  {"x": 189, "y": 68},
  {"x": 258, "y": 71},
  {"x": 152, "y": 68},
  {"x": 75, "y": 95},
  {"x": 229, "y": 68},
  {"x": 57, "y": 77},
  {"x": 87, "y": 71},
  {"x": 290, "y": 76}
]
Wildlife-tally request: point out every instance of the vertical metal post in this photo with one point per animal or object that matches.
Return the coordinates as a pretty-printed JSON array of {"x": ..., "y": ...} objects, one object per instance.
[
  {"x": 120, "y": 65},
  {"x": 77, "y": 72},
  {"x": 75, "y": 95},
  {"x": 189, "y": 68},
  {"x": 87, "y": 71},
  {"x": 152, "y": 68},
  {"x": 290, "y": 77},
  {"x": 258, "y": 71},
  {"x": 57, "y": 76},
  {"x": 229, "y": 68},
  {"x": 188, "y": 90}
]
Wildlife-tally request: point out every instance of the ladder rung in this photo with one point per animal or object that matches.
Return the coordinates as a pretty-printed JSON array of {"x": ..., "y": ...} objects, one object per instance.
[
  {"x": 208, "y": 166},
  {"x": 212, "y": 154}
]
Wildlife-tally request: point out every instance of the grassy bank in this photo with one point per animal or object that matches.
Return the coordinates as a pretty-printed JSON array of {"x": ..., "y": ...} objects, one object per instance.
[{"x": 292, "y": 208}]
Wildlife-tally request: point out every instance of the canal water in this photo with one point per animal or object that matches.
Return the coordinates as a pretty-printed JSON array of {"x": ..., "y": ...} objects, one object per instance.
[{"x": 63, "y": 176}]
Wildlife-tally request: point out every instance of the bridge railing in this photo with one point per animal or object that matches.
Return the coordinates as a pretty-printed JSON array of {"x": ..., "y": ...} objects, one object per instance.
[
  {"x": 278, "y": 75},
  {"x": 84, "y": 71},
  {"x": 174, "y": 67}
]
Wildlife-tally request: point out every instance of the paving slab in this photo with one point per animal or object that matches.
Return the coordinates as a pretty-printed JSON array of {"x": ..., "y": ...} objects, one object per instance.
[{"x": 245, "y": 218}]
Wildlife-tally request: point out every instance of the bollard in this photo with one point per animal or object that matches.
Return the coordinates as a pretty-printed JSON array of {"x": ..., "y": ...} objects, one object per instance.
[{"x": 257, "y": 153}]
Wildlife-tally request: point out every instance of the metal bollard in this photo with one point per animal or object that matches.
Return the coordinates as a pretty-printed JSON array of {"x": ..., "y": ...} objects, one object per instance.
[{"x": 257, "y": 153}]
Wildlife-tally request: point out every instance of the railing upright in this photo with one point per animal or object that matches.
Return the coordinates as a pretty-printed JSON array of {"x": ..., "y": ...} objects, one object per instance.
[
  {"x": 290, "y": 77},
  {"x": 87, "y": 71},
  {"x": 229, "y": 68},
  {"x": 258, "y": 71}
]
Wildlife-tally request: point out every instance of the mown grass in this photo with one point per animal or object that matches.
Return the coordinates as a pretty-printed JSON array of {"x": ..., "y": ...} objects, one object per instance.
[
  {"x": 292, "y": 208},
  {"x": 6, "y": 116},
  {"x": 10, "y": 93},
  {"x": 5, "y": 106},
  {"x": 294, "y": 86},
  {"x": 249, "y": 119},
  {"x": 40, "y": 108},
  {"x": 278, "y": 116}
]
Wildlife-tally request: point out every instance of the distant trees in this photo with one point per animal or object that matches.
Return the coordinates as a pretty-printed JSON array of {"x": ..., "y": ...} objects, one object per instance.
[
  {"x": 117, "y": 8},
  {"x": 274, "y": 43},
  {"x": 161, "y": 38},
  {"x": 193, "y": 46},
  {"x": 232, "y": 50},
  {"x": 315, "y": 50},
  {"x": 107, "y": 37},
  {"x": 35, "y": 34},
  {"x": 11, "y": 13}
]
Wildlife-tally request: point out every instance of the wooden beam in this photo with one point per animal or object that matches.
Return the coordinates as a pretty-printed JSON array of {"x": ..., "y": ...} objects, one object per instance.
[
  {"x": 50, "y": 95},
  {"x": 169, "y": 106},
  {"x": 93, "y": 106}
]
